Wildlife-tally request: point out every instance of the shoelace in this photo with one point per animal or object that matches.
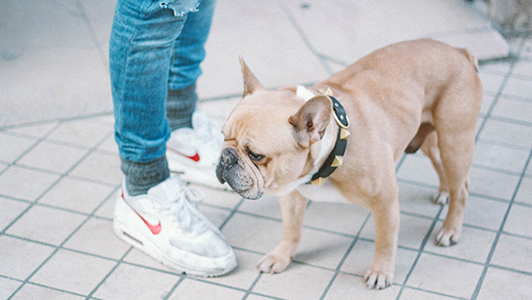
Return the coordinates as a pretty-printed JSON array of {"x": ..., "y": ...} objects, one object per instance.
[{"x": 181, "y": 209}]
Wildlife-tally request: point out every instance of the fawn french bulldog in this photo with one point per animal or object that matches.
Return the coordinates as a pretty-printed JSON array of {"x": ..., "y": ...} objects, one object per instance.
[{"x": 345, "y": 133}]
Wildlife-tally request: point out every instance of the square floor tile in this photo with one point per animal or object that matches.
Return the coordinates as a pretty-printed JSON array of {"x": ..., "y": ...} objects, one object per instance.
[
  {"x": 497, "y": 67},
  {"x": 37, "y": 131},
  {"x": 514, "y": 253},
  {"x": 508, "y": 133},
  {"x": 267, "y": 206},
  {"x": 219, "y": 198},
  {"x": 53, "y": 157},
  {"x": 80, "y": 273},
  {"x": 361, "y": 256},
  {"x": 109, "y": 145},
  {"x": 321, "y": 248},
  {"x": 503, "y": 285},
  {"x": 245, "y": 273},
  {"x": 520, "y": 110},
  {"x": 492, "y": 184},
  {"x": 523, "y": 67},
  {"x": 19, "y": 258},
  {"x": 83, "y": 132},
  {"x": 131, "y": 282},
  {"x": 491, "y": 82},
  {"x": 297, "y": 282},
  {"x": 32, "y": 291},
  {"x": 482, "y": 212},
  {"x": 411, "y": 294},
  {"x": 519, "y": 220},
  {"x": 13, "y": 147},
  {"x": 194, "y": 289},
  {"x": 417, "y": 199},
  {"x": 100, "y": 167},
  {"x": 96, "y": 236},
  {"x": 346, "y": 218},
  {"x": 7, "y": 287},
  {"x": 347, "y": 286},
  {"x": 22, "y": 183},
  {"x": 11, "y": 209},
  {"x": 475, "y": 244},
  {"x": 107, "y": 209},
  {"x": 524, "y": 194},
  {"x": 417, "y": 167},
  {"x": 46, "y": 224},
  {"x": 518, "y": 87},
  {"x": 445, "y": 275},
  {"x": 412, "y": 230},
  {"x": 253, "y": 233},
  {"x": 487, "y": 101},
  {"x": 75, "y": 194},
  {"x": 500, "y": 157},
  {"x": 216, "y": 215},
  {"x": 137, "y": 257}
]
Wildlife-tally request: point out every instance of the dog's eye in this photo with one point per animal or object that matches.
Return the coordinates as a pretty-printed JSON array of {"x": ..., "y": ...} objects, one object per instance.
[{"x": 254, "y": 156}]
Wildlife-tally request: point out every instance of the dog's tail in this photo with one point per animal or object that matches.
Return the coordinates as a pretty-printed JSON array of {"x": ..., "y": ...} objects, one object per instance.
[{"x": 470, "y": 57}]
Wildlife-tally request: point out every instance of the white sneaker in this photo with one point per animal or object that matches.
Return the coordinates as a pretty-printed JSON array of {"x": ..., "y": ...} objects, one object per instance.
[
  {"x": 194, "y": 152},
  {"x": 165, "y": 225}
]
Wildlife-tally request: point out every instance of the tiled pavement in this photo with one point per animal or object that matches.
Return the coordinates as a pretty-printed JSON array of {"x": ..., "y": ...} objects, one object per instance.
[{"x": 59, "y": 169}]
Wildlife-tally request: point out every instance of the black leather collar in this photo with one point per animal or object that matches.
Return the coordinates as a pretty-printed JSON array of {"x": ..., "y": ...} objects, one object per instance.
[{"x": 335, "y": 158}]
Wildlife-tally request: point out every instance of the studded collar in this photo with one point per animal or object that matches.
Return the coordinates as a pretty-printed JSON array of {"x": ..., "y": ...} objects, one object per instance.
[{"x": 335, "y": 158}]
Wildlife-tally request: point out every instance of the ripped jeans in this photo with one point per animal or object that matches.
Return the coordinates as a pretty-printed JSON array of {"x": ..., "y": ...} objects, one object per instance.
[{"x": 155, "y": 46}]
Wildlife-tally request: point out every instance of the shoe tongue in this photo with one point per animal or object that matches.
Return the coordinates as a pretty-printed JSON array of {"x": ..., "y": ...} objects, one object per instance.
[{"x": 168, "y": 190}]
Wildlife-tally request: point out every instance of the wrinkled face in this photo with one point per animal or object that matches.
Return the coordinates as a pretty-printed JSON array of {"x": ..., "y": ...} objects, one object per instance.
[{"x": 260, "y": 153}]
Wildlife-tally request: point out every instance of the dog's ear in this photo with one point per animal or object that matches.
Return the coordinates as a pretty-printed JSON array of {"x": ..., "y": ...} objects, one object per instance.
[
  {"x": 311, "y": 120},
  {"x": 251, "y": 83}
]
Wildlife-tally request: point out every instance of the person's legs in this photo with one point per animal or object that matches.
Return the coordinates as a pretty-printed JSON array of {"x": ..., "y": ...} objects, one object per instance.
[
  {"x": 141, "y": 49},
  {"x": 189, "y": 52},
  {"x": 153, "y": 211}
]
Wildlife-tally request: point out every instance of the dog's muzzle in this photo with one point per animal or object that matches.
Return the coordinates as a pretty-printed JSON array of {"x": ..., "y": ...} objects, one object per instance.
[{"x": 229, "y": 170}]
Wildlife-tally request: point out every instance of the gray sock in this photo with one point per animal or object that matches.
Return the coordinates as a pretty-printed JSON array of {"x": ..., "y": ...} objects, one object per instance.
[
  {"x": 180, "y": 106},
  {"x": 140, "y": 177}
]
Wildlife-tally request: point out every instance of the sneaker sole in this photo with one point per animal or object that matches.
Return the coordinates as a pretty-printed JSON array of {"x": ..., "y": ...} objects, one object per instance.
[{"x": 144, "y": 244}]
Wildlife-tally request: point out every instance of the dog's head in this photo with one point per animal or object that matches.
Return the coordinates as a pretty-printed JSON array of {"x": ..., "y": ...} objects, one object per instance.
[{"x": 270, "y": 138}]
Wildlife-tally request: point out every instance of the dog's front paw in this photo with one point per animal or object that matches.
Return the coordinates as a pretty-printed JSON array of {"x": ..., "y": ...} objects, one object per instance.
[
  {"x": 441, "y": 197},
  {"x": 274, "y": 263},
  {"x": 378, "y": 279},
  {"x": 447, "y": 237}
]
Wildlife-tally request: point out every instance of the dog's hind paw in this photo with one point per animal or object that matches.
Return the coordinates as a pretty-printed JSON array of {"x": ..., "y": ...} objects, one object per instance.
[
  {"x": 378, "y": 280},
  {"x": 441, "y": 197},
  {"x": 273, "y": 263},
  {"x": 447, "y": 237}
]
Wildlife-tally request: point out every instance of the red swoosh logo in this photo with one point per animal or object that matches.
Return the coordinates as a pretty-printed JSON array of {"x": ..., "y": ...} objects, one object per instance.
[
  {"x": 155, "y": 229},
  {"x": 194, "y": 157}
]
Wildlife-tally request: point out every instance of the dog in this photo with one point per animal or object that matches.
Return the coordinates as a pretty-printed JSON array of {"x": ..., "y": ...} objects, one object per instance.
[{"x": 339, "y": 139}]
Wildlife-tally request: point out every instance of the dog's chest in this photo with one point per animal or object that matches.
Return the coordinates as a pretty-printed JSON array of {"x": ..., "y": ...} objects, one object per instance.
[{"x": 324, "y": 193}]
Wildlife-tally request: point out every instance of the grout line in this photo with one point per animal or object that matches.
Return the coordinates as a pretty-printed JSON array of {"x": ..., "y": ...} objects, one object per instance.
[
  {"x": 346, "y": 254},
  {"x": 57, "y": 248},
  {"x": 499, "y": 94},
  {"x": 420, "y": 250},
  {"x": 500, "y": 231},
  {"x": 92, "y": 34}
]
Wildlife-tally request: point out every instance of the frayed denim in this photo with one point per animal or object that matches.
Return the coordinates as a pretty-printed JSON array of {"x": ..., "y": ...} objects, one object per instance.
[
  {"x": 155, "y": 47},
  {"x": 155, "y": 52}
]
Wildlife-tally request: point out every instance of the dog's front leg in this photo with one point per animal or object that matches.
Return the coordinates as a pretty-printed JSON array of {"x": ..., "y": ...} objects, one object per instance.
[
  {"x": 386, "y": 218},
  {"x": 293, "y": 208}
]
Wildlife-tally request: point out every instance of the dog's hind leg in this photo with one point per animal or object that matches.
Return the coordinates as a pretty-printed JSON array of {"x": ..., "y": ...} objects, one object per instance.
[
  {"x": 455, "y": 120},
  {"x": 430, "y": 149}
]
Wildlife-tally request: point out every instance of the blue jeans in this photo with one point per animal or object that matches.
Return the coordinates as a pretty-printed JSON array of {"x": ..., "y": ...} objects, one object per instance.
[{"x": 155, "y": 46}]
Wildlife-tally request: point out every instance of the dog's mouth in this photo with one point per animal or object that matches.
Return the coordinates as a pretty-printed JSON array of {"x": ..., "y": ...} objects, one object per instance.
[{"x": 228, "y": 170}]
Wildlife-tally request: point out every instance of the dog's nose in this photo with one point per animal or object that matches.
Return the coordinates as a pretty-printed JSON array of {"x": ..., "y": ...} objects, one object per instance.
[{"x": 228, "y": 158}]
